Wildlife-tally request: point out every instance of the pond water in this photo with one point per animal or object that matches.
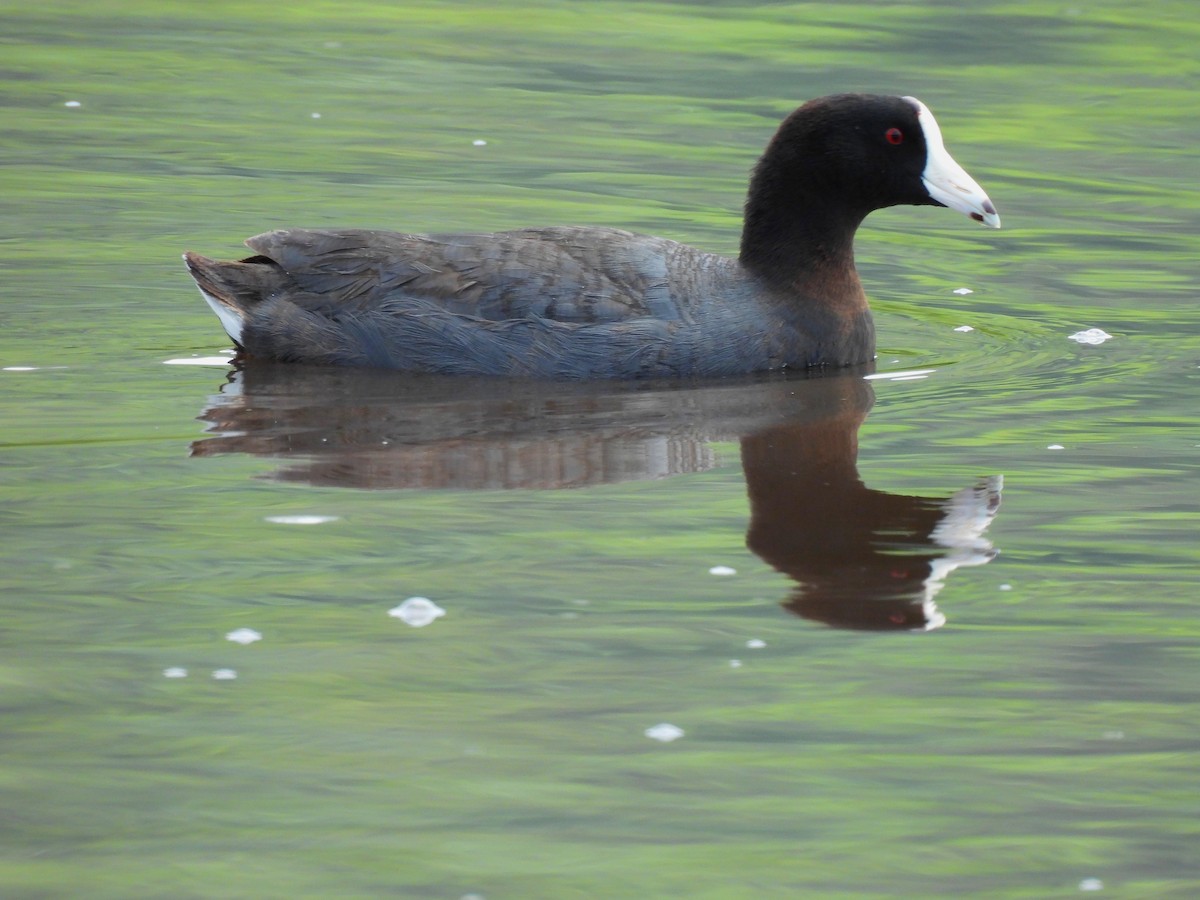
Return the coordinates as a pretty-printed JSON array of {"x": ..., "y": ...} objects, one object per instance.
[{"x": 925, "y": 634}]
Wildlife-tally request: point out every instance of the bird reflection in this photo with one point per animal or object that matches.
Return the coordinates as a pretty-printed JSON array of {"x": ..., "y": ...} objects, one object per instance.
[{"x": 861, "y": 558}]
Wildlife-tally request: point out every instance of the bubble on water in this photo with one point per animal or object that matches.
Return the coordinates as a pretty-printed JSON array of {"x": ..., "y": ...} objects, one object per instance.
[
  {"x": 198, "y": 361},
  {"x": 665, "y": 732},
  {"x": 722, "y": 570},
  {"x": 963, "y": 291},
  {"x": 417, "y": 612},
  {"x": 244, "y": 636},
  {"x": 316, "y": 115},
  {"x": 1091, "y": 884},
  {"x": 756, "y": 643},
  {"x": 301, "y": 520},
  {"x": 479, "y": 143},
  {"x": 908, "y": 375},
  {"x": 965, "y": 328},
  {"x": 72, "y": 104},
  {"x": 1006, "y": 587},
  {"x": 1056, "y": 447},
  {"x": 175, "y": 672},
  {"x": 735, "y": 664},
  {"x": 1091, "y": 336},
  {"x": 224, "y": 674}
]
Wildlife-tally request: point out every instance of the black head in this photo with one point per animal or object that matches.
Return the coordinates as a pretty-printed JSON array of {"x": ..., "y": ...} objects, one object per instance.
[
  {"x": 863, "y": 151},
  {"x": 837, "y": 158}
]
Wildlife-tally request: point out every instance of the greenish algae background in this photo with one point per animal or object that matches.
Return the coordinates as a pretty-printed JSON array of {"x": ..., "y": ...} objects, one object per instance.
[{"x": 1046, "y": 736}]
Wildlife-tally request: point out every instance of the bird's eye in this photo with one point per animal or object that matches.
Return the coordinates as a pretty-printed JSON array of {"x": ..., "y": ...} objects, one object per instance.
[{"x": 894, "y": 136}]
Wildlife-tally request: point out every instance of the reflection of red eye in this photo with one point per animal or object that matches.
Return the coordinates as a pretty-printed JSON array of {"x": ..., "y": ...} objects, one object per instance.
[{"x": 894, "y": 136}]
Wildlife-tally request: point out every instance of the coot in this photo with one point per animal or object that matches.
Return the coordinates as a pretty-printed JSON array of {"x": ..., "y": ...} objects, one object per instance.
[{"x": 586, "y": 302}]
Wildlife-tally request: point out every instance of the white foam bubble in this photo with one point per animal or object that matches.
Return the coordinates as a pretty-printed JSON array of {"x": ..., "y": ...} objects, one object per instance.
[
  {"x": 301, "y": 520},
  {"x": 244, "y": 636},
  {"x": 665, "y": 732},
  {"x": 417, "y": 612},
  {"x": 198, "y": 361},
  {"x": 1093, "y": 336},
  {"x": 900, "y": 376}
]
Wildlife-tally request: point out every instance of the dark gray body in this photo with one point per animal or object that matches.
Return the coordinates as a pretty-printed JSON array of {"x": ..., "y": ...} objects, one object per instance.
[{"x": 550, "y": 302}]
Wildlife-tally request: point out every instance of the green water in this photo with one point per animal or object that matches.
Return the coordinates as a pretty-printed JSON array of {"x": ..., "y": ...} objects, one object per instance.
[{"x": 1043, "y": 737}]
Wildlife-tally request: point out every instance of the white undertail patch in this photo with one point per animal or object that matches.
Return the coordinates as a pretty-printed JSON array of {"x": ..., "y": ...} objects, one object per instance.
[{"x": 231, "y": 320}]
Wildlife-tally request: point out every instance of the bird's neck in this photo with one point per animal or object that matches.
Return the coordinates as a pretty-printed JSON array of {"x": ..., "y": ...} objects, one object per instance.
[{"x": 806, "y": 249}]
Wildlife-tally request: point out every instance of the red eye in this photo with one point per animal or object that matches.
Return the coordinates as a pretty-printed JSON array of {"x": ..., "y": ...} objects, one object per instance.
[{"x": 894, "y": 136}]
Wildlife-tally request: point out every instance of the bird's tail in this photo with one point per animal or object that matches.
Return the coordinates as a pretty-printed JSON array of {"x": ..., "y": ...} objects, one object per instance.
[{"x": 227, "y": 287}]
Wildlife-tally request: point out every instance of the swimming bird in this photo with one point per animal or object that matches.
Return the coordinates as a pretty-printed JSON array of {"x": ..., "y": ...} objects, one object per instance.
[{"x": 591, "y": 302}]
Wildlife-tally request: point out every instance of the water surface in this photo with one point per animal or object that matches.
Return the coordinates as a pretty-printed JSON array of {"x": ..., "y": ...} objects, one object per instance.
[{"x": 1038, "y": 742}]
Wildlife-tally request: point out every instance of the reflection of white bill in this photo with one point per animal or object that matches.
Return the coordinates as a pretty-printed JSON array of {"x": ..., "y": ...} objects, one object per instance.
[{"x": 968, "y": 514}]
